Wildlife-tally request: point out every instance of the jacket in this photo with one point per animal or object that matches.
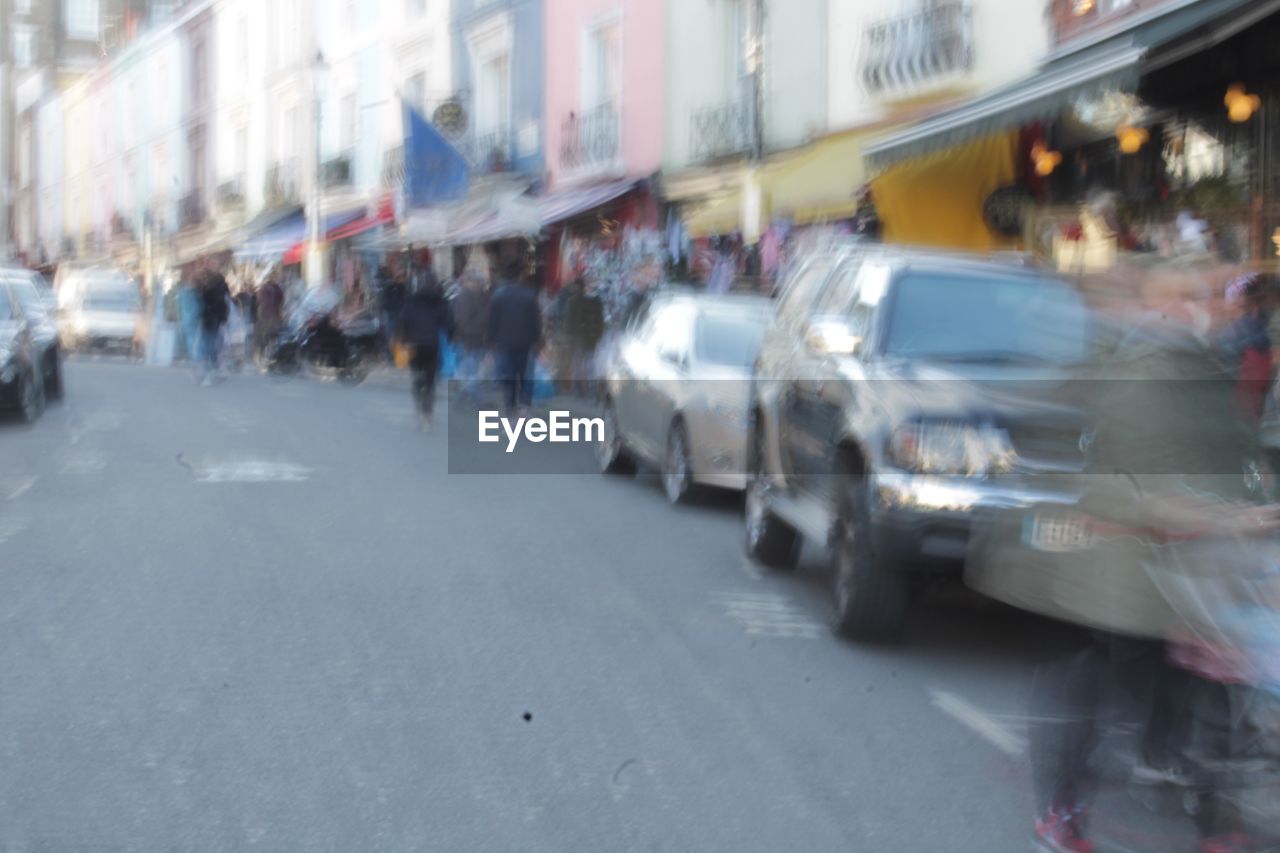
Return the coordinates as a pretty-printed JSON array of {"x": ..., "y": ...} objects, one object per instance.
[
  {"x": 582, "y": 323},
  {"x": 214, "y": 294},
  {"x": 426, "y": 316},
  {"x": 471, "y": 316},
  {"x": 515, "y": 318}
]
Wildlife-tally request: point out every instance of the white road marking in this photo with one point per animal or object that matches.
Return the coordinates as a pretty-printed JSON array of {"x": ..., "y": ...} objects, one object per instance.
[
  {"x": 251, "y": 471},
  {"x": 84, "y": 462},
  {"x": 768, "y": 615},
  {"x": 21, "y": 489},
  {"x": 979, "y": 722}
]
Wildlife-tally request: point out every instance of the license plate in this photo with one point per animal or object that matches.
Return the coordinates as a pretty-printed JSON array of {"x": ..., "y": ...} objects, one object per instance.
[{"x": 1057, "y": 532}]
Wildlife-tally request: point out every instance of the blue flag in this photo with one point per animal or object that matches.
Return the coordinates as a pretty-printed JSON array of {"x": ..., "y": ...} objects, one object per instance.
[{"x": 434, "y": 171}]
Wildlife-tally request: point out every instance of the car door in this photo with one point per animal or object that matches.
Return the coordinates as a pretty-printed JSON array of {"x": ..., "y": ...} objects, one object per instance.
[
  {"x": 808, "y": 423},
  {"x": 631, "y": 362},
  {"x": 658, "y": 395},
  {"x": 35, "y": 308},
  {"x": 11, "y": 314}
]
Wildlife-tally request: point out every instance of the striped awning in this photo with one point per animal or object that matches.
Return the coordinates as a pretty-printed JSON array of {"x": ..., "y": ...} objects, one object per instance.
[{"x": 566, "y": 204}]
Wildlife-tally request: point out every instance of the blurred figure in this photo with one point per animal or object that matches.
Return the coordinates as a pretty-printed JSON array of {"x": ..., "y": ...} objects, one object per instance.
[
  {"x": 515, "y": 330},
  {"x": 269, "y": 319},
  {"x": 1165, "y": 458},
  {"x": 1245, "y": 345},
  {"x": 425, "y": 318},
  {"x": 391, "y": 301},
  {"x": 188, "y": 301},
  {"x": 215, "y": 297},
  {"x": 471, "y": 320},
  {"x": 581, "y": 328}
]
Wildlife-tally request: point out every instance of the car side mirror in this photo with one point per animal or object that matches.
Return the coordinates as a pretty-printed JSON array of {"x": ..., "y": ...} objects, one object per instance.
[{"x": 831, "y": 336}]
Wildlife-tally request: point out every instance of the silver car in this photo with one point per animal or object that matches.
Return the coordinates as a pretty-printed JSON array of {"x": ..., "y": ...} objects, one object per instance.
[
  {"x": 676, "y": 388},
  {"x": 101, "y": 313}
]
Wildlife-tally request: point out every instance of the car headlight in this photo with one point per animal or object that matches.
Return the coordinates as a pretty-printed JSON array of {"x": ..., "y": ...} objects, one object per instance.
[{"x": 955, "y": 448}]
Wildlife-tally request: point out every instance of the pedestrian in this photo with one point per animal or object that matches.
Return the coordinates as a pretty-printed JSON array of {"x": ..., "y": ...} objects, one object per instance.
[
  {"x": 581, "y": 329},
  {"x": 391, "y": 301},
  {"x": 188, "y": 299},
  {"x": 1162, "y": 441},
  {"x": 515, "y": 331},
  {"x": 215, "y": 299},
  {"x": 1245, "y": 345},
  {"x": 270, "y": 314},
  {"x": 425, "y": 319},
  {"x": 471, "y": 318}
]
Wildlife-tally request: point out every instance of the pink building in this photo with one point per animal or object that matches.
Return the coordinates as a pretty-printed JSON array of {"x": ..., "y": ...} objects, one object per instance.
[{"x": 605, "y": 77}]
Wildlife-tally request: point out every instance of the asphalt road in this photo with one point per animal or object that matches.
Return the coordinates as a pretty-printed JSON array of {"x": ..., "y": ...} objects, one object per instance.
[{"x": 262, "y": 616}]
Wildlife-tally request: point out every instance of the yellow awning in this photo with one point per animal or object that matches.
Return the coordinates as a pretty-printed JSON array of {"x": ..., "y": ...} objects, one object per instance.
[
  {"x": 936, "y": 200},
  {"x": 815, "y": 183}
]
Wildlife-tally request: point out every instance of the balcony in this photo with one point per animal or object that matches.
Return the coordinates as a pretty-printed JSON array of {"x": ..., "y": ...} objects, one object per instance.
[
  {"x": 590, "y": 139},
  {"x": 908, "y": 54},
  {"x": 721, "y": 130},
  {"x": 336, "y": 172},
  {"x": 120, "y": 225},
  {"x": 231, "y": 194},
  {"x": 282, "y": 185},
  {"x": 489, "y": 151},
  {"x": 191, "y": 210}
]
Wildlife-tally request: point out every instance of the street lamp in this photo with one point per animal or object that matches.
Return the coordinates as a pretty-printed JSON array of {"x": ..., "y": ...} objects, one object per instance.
[{"x": 315, "y": 252}]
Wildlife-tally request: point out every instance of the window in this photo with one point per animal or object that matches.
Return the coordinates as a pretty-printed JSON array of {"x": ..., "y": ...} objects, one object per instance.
[
  {"x": 288, "y": 134},
  {"x": 241, "y": 152},
  {"x": 603, "y": 65},
  {"x": 198, "y": 79},
  {"x": 415, "y": 90},
  {"x": 415, "y": 8},
  {"x": 23, "y": 46},
  {"x": 729, "y": 340},
  {"x": 493, "y": 94},
  {"x": 82, "y": 18},
  {"x": 349, "y": 116}
]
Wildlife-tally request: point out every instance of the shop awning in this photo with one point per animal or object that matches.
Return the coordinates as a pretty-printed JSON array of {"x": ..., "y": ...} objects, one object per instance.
[
  {"x": 566, "y": 204},
  {"x": 1113, "y": 57},
  {"x": 277, "y": 241},
  {"x": 816, "y": 183}
]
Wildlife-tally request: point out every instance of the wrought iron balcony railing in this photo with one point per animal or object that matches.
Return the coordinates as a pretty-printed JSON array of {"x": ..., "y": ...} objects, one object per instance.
[
  {"x": 282, "y": 185},
  {"x": 591, "y": 138},
  {"x": 721, "y": 130},
  {"x": 231, "y": 193},
  {"x": 336, "y": 172},
  {"x": 191, "y": 209},
  {"x": 903, "y": 54}
]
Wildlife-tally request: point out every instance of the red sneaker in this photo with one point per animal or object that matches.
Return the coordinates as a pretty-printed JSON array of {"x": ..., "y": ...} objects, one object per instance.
[{"x": 1057, "y": 832}]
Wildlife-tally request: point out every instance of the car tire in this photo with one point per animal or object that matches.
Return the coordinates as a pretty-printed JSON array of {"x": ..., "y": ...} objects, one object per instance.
[
  {"x": 871, "y": 599},
  {"x": 611, "y": 452},
  {"x": 677, "y": 470},
  {"x": 53, "y": 385},
  {"x": 31, "y": 399},
  {"x": 769, "y": 540}
]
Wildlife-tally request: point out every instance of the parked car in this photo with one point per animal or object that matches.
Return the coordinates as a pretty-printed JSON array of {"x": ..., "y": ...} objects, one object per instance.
[
  {"x": 39, "y": 282},
  {"x": 897, "y": 393},
  {"x": 100, "y": 310},
  {"x": 675, "y": 390},
  {"x": 21, "y": 387},
  {"x": 31, "y": 293}
]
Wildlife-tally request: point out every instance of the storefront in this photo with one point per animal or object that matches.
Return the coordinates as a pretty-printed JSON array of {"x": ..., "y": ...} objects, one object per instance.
[{"x": 1141, "y": 136}]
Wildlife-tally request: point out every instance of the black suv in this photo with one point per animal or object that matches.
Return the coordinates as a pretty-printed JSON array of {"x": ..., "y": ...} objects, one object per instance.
[{"x": 897, "y": 394}]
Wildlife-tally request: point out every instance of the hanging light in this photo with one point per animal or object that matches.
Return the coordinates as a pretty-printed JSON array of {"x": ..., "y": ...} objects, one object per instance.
[
  {"x": 1240, "y": 106},
  {"x": 1132, "y": 139},
  {"x": 1083, "y": 7}
]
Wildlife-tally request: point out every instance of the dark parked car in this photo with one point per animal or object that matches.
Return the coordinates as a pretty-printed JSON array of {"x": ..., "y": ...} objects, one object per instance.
[
  {"x": 898, "y": 393},
  {"x": 21, "y": 384},
  {"x": 34, "y": 297}
]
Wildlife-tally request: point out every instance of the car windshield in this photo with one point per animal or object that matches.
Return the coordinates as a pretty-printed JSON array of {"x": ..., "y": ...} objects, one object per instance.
[
  {"x": 963, "y": 317},
  {"x": 112, "y": 302},
  {"x": 731, "y": 340},
  {"x": 28, "y": 296}
]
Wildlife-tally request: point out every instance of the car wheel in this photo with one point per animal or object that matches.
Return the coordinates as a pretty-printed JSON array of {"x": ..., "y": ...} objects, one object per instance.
[
  {"x": 677, "y": 471},
  {"x": 871, "y": 598},
  {"x": 770, "y": 541},
  {"x": 611, "y": 452},
  {"x": 31, "y": 399},
  {"x": 53, "y": 387}
]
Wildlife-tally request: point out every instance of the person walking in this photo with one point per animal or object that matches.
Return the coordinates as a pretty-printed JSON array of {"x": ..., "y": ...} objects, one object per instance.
[
  {"x": 471, "y": 318},
  {"x": 392, "y": 293},
  {"x": 188, "y": 300},
  {"x": 270, "y": 315},
  {"x": 581, "y": 329},
  {"x": 215, "y": 299},
  {"x": 515, "y": 331},
  {"x": 425, "y": 318}
]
